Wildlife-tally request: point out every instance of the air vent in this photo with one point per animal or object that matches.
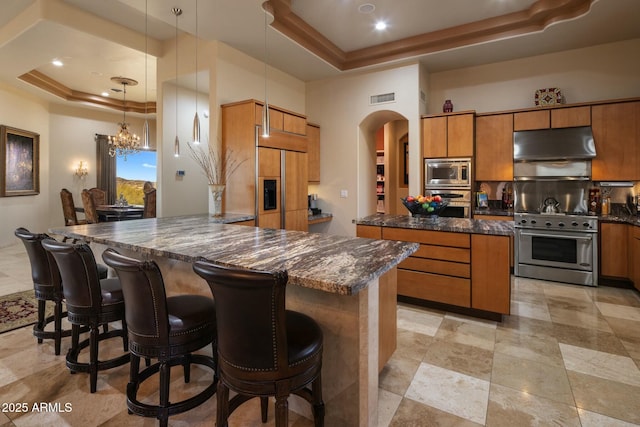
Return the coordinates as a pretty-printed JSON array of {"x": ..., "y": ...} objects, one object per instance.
[{"x": 382, "y": 98}]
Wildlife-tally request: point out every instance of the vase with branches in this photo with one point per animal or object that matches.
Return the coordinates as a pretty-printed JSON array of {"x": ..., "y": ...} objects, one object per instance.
[{"x": 217, "y": 167}]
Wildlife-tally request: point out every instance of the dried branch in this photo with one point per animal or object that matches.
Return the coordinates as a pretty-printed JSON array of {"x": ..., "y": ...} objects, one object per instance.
[{"x": 217, "y": 168}]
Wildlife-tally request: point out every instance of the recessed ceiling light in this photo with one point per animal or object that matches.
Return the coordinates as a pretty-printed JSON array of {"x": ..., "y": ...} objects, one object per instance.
[
  {"x": 366, "y": 8},
  {"x": 105, "y": 93},
  {"x": 57, "y": 63},
  {"x": 381, "y": 25}
]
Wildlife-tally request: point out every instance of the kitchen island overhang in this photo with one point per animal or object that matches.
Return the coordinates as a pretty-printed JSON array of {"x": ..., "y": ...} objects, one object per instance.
[{"x": 333, "y": 279}]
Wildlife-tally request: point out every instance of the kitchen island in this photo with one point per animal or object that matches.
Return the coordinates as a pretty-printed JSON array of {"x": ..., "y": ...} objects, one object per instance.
[
  {"x": 462, "y": 264},
  {"x": 333, "y": 279}
]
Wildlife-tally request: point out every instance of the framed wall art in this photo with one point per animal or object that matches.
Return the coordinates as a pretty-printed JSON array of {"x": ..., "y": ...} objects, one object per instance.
[{"x": 19, "y": 162}]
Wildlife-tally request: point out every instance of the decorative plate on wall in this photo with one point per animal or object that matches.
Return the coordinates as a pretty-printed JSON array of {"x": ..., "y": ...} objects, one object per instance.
[{"x": 549, "y": 96}]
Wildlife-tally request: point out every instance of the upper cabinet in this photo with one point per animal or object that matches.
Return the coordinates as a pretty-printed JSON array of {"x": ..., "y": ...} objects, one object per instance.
[
  {"x": 282, "y": 120},
  {"x": 313, "y": 152},
  {"x": 562, "y": 117},
  {"x": 494, "y": 148},
  {"x": 448, "y": 135},
  {"x": 616, "y": 132}
]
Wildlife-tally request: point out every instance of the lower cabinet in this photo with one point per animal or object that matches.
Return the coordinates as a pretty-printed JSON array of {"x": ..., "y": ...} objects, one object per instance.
[
  {"x": 613, "y": 250},
  {"x": 460, "y": 269},
  {"x": 634, "y": 256}
]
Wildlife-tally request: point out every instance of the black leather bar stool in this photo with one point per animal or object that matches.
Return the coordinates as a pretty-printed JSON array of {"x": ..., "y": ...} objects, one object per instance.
[
  {"x": 47, "y": 287},
  {"x": 91, "y": 303},
  {"x": 168, "y": 329},
  {"x": 263, "y": 349}
]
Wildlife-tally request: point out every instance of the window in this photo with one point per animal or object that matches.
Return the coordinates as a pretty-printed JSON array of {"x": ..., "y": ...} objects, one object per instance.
[{"x": 132, "y": 173}]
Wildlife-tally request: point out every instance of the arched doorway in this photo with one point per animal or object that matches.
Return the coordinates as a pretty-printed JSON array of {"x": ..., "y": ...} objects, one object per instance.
[{"x": 391, "y": 128}]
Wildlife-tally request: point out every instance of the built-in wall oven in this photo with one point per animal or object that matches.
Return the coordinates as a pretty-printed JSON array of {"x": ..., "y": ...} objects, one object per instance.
[
  {"x": 557, "y": 247},
  {"x": 459, "y": 201}
]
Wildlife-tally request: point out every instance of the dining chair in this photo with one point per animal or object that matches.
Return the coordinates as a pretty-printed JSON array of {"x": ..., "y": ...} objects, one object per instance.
[
  {"x": 99, "y": 196},
  {"x": 147, "y": 186},
  {"x": 69, "y": 208},
  {"x": 91, "y": 303},
  {"x": 89, "y": 205},
  {"x": 168, "y": 329},
  {"x": 263, "y": 349},
  {"x": 149, "y": 204}
]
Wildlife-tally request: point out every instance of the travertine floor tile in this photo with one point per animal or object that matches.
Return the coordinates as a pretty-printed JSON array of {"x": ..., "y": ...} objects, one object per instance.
[
  {"x": 510, "y": 408},
  {"x": 388, "y": 404},
  {"x": 418, "y": 320},
  {"x": 469, "y": 360},
  {"x": 451, "y": 392},
  {"x": 468, "y": 333},
  {"x": 537, "y": 348},
  {"x": 619, "y": 311},
  {"x": 536, "y": 378},
  {"x": 610, "y": 398},
  {"x": 600, "y": 364},
  {"x": 415, "y": 414},
  {"x": 592, "y": 419}
]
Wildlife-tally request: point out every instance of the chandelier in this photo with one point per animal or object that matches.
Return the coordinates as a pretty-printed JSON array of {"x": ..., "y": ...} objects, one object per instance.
[{"x": 124, "y": 143}]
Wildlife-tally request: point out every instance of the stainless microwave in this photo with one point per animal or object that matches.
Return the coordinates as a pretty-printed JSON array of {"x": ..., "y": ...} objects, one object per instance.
[{"x": 447, "y": 173}]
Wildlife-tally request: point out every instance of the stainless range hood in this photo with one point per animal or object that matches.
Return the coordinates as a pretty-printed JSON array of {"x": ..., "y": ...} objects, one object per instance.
[
  {"x": 553, "y": 154},
  {"x": 554, "y": 144}
]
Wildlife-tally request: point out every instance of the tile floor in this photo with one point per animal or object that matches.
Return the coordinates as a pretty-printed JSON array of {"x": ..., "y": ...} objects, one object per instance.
[{"x": 567, "y": 356}]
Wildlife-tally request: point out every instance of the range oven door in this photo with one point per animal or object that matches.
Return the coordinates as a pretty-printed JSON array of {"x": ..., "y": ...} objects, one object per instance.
[
  {"x": 569, "y": 257},
  {"x": 556, "y": 249}
]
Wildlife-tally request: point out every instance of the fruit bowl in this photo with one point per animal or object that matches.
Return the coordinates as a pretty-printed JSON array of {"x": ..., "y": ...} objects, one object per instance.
[{"x": 426, "y": 207}]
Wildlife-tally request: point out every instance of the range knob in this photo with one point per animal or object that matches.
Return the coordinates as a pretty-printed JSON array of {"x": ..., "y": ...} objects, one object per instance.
[
  {"x": 548, "y": 223},
  {"x": 561, "y": 224},
  {"x": 533, "y": 221},
  {"x": 585, "y": 224},
  {"x": 523, "y": 221},
  {"x": 574, "y": 223}
]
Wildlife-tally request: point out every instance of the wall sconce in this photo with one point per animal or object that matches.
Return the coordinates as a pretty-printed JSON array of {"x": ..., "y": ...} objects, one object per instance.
[{"x": 82, "y": 170}]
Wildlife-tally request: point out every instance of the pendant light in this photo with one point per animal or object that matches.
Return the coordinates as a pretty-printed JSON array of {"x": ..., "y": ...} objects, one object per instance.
[
  {"x": 265, "y": 110},
  {"x": 196, "y": 119},
  {"x": 176, "y": 144},
  {"x": 145, "y": 128}
]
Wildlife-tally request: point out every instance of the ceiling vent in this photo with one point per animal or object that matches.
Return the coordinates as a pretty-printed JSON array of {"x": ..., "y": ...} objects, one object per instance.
[{"x": 382, "y": 98}]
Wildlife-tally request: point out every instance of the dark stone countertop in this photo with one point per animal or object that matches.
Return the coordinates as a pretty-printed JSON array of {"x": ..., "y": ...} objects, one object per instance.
[
  {"x": 230, "y": 218},
  {"x": 624, "y": 219},
  {"x": 458, "y": 225},
  {"x": 336, "y": 264},
  {"x": 490, "y": 211}
]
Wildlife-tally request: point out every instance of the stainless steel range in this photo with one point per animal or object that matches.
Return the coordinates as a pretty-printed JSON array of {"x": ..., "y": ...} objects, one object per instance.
[
  {"x": 554, "y": 238},
  {"x": 558, "y": 247}
]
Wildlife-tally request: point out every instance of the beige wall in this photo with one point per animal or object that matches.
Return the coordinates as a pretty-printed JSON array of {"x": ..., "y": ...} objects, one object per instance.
[
  {"x": 608, "y": 71},
  {"x": 348, "y": 124},
  {"x": 23, "y": 111}
]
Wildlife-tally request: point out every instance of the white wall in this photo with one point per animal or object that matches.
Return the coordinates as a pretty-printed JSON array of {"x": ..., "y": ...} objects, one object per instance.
[
  {"x": 22, "y": 111},
  {"x": 608, "y": 71}
]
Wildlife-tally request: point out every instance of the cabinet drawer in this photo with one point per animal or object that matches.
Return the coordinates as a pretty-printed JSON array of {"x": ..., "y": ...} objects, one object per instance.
[
  {"x": 443, "y": 253},
  {"x": 369, "y": 231},
  {"x": 433, "y": 287},
  {"x": 438, "y": 238},
  {"x": 436, "y": 267}
]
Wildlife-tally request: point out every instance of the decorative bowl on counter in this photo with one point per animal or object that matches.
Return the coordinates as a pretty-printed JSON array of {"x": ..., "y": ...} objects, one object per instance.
[{"x": 424, "y": 206}]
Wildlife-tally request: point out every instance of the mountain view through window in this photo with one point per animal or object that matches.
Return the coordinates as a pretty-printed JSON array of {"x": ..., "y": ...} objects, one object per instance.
[{"x": 132, "y": 173}]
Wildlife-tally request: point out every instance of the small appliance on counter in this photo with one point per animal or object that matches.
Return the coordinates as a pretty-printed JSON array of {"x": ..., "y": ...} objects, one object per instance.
[{"x": 313, "y": 204}]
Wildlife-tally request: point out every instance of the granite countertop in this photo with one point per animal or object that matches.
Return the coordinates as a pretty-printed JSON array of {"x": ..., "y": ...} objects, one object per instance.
[
  {"x": 336, "y": 264},
  {"x": 458, "y": 225},
  {"x": 496, "y": 212},
  {"x": 624, "y": 218},
  {"x": 230, "y": 218},
  {"x": 321, "y": 217}
]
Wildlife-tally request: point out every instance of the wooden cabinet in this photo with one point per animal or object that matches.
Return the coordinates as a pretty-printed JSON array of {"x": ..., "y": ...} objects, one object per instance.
[
  {"x": 561, "y": 117},
  {"x": 280, "y": 159},
  {"x": 313, "y": 152},
  {"x": 490, "y": 272},
  {"x": 571, "y": 117},
  {"x": 530, "y": 120},
  {"x": 494, "y": 148},
  {"x": 450, "y": 135},
  {"x": 281, "y": 120},
  {"x": 511, "y": 238},
  {"x": 634, "y": 256},
  {"x": 444, "y": 268},
  {"x": 616, "y": 132},
  {"x": 614, "y": 250}
]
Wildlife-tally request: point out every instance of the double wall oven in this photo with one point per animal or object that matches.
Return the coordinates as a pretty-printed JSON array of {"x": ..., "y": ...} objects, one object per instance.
[{"x": 450, "y": 179}]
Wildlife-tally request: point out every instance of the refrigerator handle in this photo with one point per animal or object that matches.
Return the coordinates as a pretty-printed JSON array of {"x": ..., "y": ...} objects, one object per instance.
[{"x": 283, "y": 187}]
